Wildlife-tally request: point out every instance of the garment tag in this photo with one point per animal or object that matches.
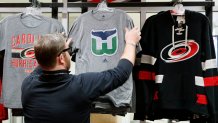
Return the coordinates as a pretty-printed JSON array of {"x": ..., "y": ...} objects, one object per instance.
[{"x": 180, "y": 19}]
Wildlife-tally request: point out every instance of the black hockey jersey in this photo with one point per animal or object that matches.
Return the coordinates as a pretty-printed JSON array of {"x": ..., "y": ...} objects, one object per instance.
[{"x": 178, "y": 66}]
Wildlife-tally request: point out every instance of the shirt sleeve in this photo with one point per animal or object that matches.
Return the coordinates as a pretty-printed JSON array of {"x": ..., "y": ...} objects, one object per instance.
[
  {"x": 147, "y": 56},
  {"x": 76, "y": 33},
  {"x": 209, "y": 68},
  {"x": 144, "y": 72},
  {"x": 56, "y": 26},
  {"x": 130, "y": 25},
  {"x": 129, "y": 22},
  {"x": 2, "y": 42},
  {"x": 100, "y": 83},
  {"x": 61, "y": 28}
]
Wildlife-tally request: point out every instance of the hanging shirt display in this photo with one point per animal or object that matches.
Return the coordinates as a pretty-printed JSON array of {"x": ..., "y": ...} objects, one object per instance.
[
  {"x": 178, "y": 56},
  {"x": 17, "y": 36},
  {"x": 100, "y": 39}
]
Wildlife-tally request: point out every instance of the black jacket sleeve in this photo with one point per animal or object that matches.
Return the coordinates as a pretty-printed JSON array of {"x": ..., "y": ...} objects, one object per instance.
[
  {"x": 210, "y": 74},
  {"x": 144, "y": 73},
  {"x": 95, "y": 84}
]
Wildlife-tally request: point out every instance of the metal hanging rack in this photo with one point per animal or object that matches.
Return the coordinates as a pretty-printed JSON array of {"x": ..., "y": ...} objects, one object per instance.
[
  {"x": 84, "y": 5},
  {"x": 35, "y": 3}
]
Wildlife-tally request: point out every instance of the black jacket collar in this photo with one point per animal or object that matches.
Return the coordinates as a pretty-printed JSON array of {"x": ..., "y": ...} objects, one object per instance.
[{"x": 63, "y": 71}]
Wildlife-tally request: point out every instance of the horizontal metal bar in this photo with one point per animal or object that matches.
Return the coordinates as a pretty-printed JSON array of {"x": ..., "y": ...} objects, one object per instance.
[
  {"x": 142, "y": 4},
  {"x": 29, "y": 4},
  {"x": 127, "y": 4},
  {"x": 127, "y": 9},
  {"x": 215, "y": 9}
]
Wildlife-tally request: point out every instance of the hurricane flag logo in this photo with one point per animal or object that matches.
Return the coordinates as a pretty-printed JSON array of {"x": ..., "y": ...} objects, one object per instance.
[
  {"x": 23, "y": 53},
  {"x": 180, "y": 51},
  {"x": 28, "y": 53},
  {"x": 104, "y": 42}
]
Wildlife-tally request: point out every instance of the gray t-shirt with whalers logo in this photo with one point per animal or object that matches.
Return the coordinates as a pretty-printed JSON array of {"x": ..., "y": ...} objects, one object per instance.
[
  {"x": 17, "y": 36},
  {"x": 100, "y": 39}
]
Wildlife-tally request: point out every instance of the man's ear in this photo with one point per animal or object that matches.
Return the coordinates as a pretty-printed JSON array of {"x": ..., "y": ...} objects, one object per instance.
[{"x": 61, "y": 59}]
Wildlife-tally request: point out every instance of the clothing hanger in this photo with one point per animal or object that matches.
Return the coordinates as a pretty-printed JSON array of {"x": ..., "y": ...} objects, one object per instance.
[
  {"x": 102, "y": 6},
  {"x": 33, "y": 11},
  {"x": 178, "y": 8}
]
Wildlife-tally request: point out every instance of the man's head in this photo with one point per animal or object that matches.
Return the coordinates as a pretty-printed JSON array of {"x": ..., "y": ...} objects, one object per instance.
[{"x": 52, "y": 52}]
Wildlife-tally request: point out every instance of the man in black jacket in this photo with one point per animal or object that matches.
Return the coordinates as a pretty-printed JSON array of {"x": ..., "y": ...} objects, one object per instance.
[{"x": 51, "y": 95}]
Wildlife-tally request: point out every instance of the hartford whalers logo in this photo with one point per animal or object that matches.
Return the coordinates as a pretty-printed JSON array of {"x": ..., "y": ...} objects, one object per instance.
[{"x": 104, "y": 42}]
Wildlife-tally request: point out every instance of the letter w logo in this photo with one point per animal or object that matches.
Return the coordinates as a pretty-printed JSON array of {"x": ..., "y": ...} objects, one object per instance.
[{"x": 104, "y": 42}]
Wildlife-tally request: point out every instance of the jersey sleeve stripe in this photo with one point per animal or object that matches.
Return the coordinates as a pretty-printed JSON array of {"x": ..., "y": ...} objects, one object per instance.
[
  {"x": 147, "y": 59},
  {"x": 159, "y": 78},
  {"x": 146, "y": 75},
  {"x": 199, "y": 81},
  {"x": 202, "y": 99},
  {"x": 207, "y": 81},
  {"x": 209, "y": 64},
  {"x": 211, "y": 81}
]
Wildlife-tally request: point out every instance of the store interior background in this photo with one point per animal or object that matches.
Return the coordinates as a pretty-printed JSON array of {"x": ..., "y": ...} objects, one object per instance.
[{"x": 138, "y": 15}]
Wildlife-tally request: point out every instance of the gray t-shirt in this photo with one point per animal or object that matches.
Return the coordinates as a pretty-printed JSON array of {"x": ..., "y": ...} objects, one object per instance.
[
  {"x": 17, "y": 35},
  {"x": 100, "y": 40}
]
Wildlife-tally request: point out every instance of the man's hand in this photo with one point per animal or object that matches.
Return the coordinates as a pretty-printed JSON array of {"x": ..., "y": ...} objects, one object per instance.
[
  {"x": 132, "y": 36},
  {"x": 69, "y": 42}
]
